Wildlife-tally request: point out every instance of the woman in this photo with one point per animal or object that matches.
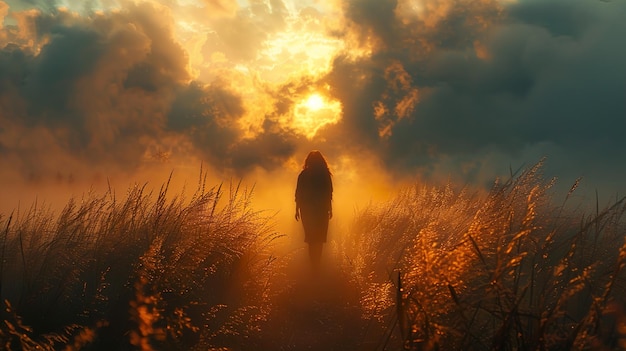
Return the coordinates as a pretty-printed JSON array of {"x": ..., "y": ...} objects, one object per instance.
[{"x": 314, "y": 194}]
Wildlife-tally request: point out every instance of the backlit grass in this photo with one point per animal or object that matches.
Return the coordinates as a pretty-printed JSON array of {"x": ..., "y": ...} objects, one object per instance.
[
  {"x": 452, "y": 270},
  {"x": 435, "y": 268}
]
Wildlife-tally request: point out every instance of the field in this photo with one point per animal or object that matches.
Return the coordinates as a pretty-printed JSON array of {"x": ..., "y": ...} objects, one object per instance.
[{"x": 435, "y": 268}]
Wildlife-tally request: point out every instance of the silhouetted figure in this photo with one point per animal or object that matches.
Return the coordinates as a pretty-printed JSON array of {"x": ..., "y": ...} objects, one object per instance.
[{"x": 314, "y": 194}]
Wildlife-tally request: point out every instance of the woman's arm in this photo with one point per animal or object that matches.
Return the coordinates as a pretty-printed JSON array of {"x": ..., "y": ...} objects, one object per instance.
[
  {"x": 298, "y": 195},
  {"x": 330, "y": 197}
]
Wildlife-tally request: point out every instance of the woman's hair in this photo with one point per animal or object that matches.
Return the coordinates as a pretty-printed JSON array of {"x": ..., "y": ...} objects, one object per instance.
[{"x": 315, "y": 161}]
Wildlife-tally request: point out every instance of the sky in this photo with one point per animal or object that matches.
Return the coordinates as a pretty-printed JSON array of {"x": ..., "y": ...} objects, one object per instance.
[{"x": 391, "y": 91}]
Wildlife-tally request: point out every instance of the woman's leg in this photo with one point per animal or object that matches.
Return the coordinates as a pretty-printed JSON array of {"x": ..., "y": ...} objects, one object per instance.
[{"x": 315, "y": 253}]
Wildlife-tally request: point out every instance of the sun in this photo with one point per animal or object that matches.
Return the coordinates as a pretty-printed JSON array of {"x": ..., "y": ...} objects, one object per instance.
[
  {"x": 314, "y": 112},
  {"x": 314, "y": 102}
]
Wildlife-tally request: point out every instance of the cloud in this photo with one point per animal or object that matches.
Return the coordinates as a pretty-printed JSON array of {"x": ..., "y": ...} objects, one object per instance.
[
  {"x": 425, "y": 87},
  {"x": 216, "y": 8},
  {"x": 476, "y": 79},
  {"x": 208, "y": 116},
  {"x": 113, "y": 89},
  {"x": 241, "y": 37},
  {"x": 98, "y": 84}
]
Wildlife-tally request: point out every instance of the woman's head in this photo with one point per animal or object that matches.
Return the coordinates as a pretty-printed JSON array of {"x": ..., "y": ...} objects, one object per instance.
[{"x": 315, "y": 160}]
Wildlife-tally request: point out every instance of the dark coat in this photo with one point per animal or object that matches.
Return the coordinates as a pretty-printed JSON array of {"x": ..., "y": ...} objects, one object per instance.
[{"x": 314, "y": 194}]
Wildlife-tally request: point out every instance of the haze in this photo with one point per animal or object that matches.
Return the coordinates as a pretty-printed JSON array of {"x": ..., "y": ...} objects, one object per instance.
[{"x": 116, "y": 92}]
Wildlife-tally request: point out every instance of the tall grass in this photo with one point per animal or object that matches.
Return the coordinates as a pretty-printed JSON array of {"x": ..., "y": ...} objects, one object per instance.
[
  {"x": 448, "y": 269},
  {"x": 149, "y": 271},
  {"x": 437, "y": 267}
]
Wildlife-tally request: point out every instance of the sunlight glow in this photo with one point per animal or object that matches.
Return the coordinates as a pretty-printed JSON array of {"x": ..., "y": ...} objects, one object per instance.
[
  {"x": 297, "y": 52},
  {"x": 314, "y": 102},
  {"x": 314, "y": 112},
  {"x": 299, "y": 47}
]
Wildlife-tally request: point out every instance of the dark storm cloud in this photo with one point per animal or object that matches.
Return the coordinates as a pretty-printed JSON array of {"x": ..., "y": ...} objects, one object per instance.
[
  {"x": 540, "y": 75},
  {"x": 269, "y": 150},
  {"x": 405, "y": 45},
  {"x": 71, "y": 54},
  {"x": 571, "y": 18},
  {"x": 77, "y": 85},
  {"x": 374, "y": 17},
  {"x": 106, "y": 89},
  {"x": 441, "y": 24},
  {"x": 208, "y": 116},
  {"x": 536, "y": 86},
  {"x": 357, "y": 85}
]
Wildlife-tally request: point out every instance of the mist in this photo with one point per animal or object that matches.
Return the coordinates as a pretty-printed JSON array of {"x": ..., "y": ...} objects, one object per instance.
[{"x": 117, "y": 92}]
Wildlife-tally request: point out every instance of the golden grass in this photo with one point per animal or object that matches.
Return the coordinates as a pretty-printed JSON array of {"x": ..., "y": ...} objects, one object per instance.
[
  {"x": 434, "y": 268},
  {"x": 505, "y": 271},
  {"x": 152, "y": 271}
]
